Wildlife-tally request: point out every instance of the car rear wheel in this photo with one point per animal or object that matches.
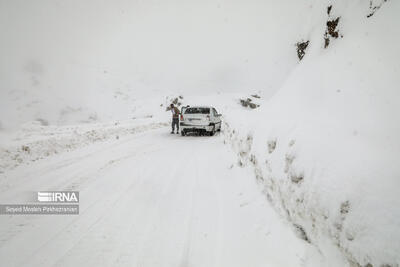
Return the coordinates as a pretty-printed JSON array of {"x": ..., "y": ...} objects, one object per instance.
[
  {"x": 212, "y": 131},
  {"x": 183, "y": 133}
]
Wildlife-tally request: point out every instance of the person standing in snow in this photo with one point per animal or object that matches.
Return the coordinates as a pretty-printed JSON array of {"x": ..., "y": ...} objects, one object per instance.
[{"x": 175, "y": 118}]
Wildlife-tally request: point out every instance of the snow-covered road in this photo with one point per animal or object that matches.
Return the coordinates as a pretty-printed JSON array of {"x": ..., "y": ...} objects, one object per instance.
[{"x": 149, "y": 199}]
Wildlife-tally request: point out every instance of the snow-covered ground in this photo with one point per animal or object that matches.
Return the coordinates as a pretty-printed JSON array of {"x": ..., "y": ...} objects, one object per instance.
[
  {"x": 147, "y": 199},
  {"x": 309, "y": 95}
]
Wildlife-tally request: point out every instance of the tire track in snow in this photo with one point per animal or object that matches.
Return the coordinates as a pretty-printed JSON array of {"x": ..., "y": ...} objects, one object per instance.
[
  {"x": 188, "y": 236},
  {"x": 147, "y": 206}
]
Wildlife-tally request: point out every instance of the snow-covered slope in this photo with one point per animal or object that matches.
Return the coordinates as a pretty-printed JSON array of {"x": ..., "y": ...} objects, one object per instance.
[{"x": 325, "y": 146}]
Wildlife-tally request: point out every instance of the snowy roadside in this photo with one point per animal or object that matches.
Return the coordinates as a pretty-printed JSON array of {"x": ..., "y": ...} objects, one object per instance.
[
  {"x": 35, "y": 142},
  {"x": 330, "y": 204}
]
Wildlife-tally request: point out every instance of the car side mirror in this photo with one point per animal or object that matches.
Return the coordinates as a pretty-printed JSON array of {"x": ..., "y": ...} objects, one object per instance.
[{"x": 219, "y": 115}]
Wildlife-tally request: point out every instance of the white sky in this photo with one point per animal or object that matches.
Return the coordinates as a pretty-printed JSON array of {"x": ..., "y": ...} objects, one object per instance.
[{"x": 188, "y": 46}]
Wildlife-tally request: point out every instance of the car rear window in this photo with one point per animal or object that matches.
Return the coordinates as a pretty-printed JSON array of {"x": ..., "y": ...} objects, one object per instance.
[{"x": 197, "y": 111}]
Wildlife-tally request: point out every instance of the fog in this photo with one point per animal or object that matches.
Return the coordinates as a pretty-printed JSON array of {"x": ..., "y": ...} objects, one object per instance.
[{"x": 73, "y": 50}]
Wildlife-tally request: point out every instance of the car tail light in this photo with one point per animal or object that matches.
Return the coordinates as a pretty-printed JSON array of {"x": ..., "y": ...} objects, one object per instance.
[{"x": 181, "y": 117}]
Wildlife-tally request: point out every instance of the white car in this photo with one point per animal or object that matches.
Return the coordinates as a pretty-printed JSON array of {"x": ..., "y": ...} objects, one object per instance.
[{"x": 200, "y": 119}]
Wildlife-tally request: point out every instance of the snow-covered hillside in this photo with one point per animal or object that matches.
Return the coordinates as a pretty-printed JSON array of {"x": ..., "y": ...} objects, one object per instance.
[{"x": 325, "y": 146}]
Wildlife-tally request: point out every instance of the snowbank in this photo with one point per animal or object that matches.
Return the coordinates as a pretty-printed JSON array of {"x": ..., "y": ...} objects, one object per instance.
[
  {"x": 325, "y": 147},
  {"x": 34, "y": 141}
]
